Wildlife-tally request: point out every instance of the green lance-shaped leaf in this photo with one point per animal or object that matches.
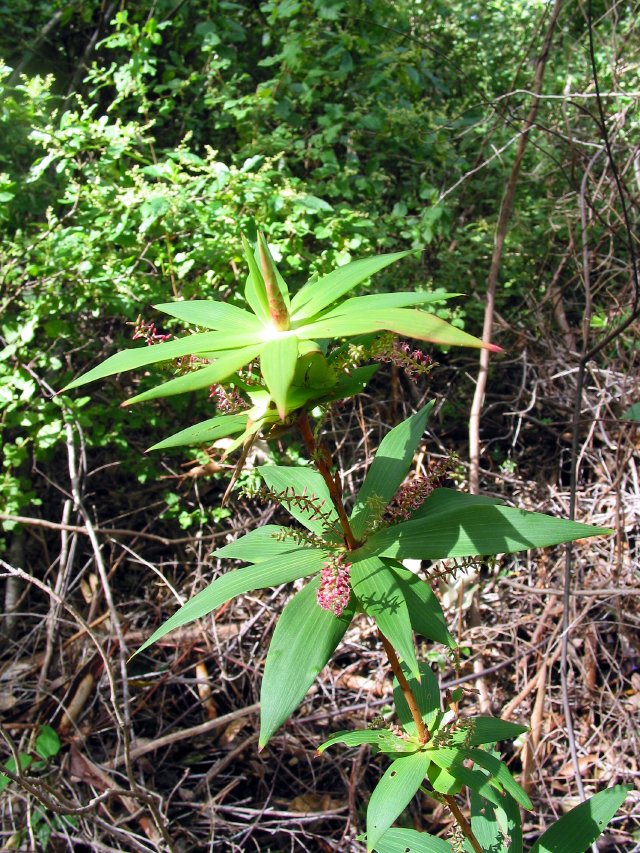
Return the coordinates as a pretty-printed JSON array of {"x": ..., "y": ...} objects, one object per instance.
[
  {"x": 204, "y": 342},
  {"x": 425, "y": 611},
  {"x": 485, "y": 730},
  {"x": 255, "y": 292},
  {"x": 258, "y": 545},
  {"x": 321, "y": 292},
  {"x": 205, "y": 432},
  {"x": 393, "y": 793},
  {"x": 384, "y": 301},
  {"x": 427, "y": 695},
  {"x": 389, "y": 468},
  {"x": 350, "y": 384},
  {"x": 497, "y": 828},
  {"x": 410, "y": 841},
  {"x": 577, "y": 830},
  {"x": 278, "y": 308},
  {"x": 282, "y": 569},
  {"x": 278, "y": 364},
  {"x": 499, "y": 775},
  {"x": 403, "y": 321},
  {"x": 304, "y": 639},
  {"x": 383, "y": 739},
  {"x": 476, "y": 529},
  {"x": 442, "y": 781},
  {"x": 451, "y": 761},
  {"x": 380, "y": 595},
  {"x": 443, "y": 501},
  {"x": 302, "y": 482},
  {"x": 213, "y": 315},
  {"x": 227, "y": 364}
]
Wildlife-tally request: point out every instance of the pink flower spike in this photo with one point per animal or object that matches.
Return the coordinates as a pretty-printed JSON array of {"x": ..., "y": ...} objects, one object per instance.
[{"x": 334, "y": 590}]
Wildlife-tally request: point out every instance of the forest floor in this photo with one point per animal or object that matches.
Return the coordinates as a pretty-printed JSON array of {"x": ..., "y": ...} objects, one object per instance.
[{"x": 160, "y": 753}]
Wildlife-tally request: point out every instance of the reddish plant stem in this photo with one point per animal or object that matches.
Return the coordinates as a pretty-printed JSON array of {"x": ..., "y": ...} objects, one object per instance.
[
  {"x": 423, "y": 731},
  {"x": 323, "y": 462},
  {"x": 463, "y": 823}
]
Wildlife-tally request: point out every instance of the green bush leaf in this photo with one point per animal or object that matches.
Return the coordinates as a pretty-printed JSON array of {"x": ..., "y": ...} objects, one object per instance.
[
  {"x": 318, "y": 294},
  {"x": 427, "y": 694},
  {"x": 383, "y": 739},
  {"x": 278, "y": 364},
  {"x": 47, "y": 742},
  {"x": 473, "y": 530},
  {"x": 130, "y": 359},
  {"x": 389, "y": 468},
  {"x": 577, "y": 830},
  {"x": 497, "y": 828},
  {"x": 403, "y": 321},
  {"x": 304, "y": 639},
  {"x": 378, "y": 591},
  {"x": 301, "y": 480},
  {"x": 213, "y": 315},
  {"x": 486, "y": 730},
  {"x": 425, "y": 611},
  {"x": 258, "y": 545},
  {"x": 281, "y": 569},
  {"x": 205, "y": 432},
  {"x": 222, "y": 368},
  {"x": 411, "y": 841},
  {"x": 393, "y": 793}
]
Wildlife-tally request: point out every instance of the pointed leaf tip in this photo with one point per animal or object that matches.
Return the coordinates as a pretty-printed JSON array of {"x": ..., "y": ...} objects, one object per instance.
[{"x": 493, "y": 348}]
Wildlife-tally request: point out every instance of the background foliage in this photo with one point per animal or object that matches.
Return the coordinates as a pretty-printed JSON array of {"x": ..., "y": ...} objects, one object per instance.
[{"x": 139, "y": 140}]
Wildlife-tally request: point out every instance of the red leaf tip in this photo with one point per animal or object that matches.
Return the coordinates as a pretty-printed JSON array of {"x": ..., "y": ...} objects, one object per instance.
[{"x": 493, "y": 348}]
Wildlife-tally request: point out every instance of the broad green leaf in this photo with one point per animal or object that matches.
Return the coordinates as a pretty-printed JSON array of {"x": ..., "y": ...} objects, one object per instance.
[
  {"x": 425, "y": 611},
  {"x": 47, "y": 742},
  {"x": 485, "y": 730},
  {"x": 393, "y": 793},
  {"x": 213, "y": 315},
  {"x": 499, "y": 775},
  {"x": 388, "y": 469},
  {"x": 577, "y": 830},
  {"x": 220, "y": 370},
  {"x": 318, "y": 294},
  {"x": 383, "y": 301},
  {"x": 442, "y": 781},
  {"x": 383, "y": 739},
  {"x": 378, "y": 591},
  {"x": 255, "y": 292},
  {"x": 304, "y": 639},
  {"x": 258, "y": 545},
  {"x": 205, "y": 432},
  {"x": 141, "y": 356},
  {"x": 427, "y": 694},
  {"x": 451, "y": 761},
  {"x": 299, "y": 482},
  {"x": 281, "y": 569},
  {"x": 474, "y": 530},
  {"x": 497, "y": 828},
  {"x": 443, "y": 501},
  {"x": 404, "y": 321},
  {"x": 277, "y": 364},
  {"x": 410, "y": 841}
]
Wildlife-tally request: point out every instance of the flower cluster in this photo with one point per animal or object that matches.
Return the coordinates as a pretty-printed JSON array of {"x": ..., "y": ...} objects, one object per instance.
[
  {"x": 413, "y": 493},
  {"x": 334, "y": 590},
  {"x": 148, "y": 332},
  {"x": 414, "y": 363},
  {"x": 228, "y": 401}
]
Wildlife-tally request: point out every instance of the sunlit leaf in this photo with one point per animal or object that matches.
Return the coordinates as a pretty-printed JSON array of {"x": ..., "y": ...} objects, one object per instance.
[
  {"x": 220, "y": 370},
  {"x": 497, "y": 828},
  {"x": 499, "y": 775},
  {"x": 380, "y": 595},
  {"x": 485, "y": 730},
  {"x": 281, "y": 569},
  {"x": 383, "y": 301},
  {"x": 427, "y": 695},
  {"x": 393, "y": 793},
  {"x": 385, "y": 740},
  {"x": 578, "y": 829},
  {"x": 425, "y": 611},
  {"x": 205, "y": 432},
  {"x": 307, "y": 485},
  {"x": 389, "y": 468},
  {"x": 410, "y": 841},
  {"x": 304, "y": 639},
  {"x": 277, "y": 364},
  {"x": 212, "y": 315},
  {"x": 258, "y": 545},
  {"x": 318, "y": 294},
  {"x": 254, "y": 291},
  {"x": 451, "y": 761}
]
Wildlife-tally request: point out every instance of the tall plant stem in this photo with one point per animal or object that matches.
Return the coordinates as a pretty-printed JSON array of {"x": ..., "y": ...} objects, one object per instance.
[{"x": 323, "y": 462}]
